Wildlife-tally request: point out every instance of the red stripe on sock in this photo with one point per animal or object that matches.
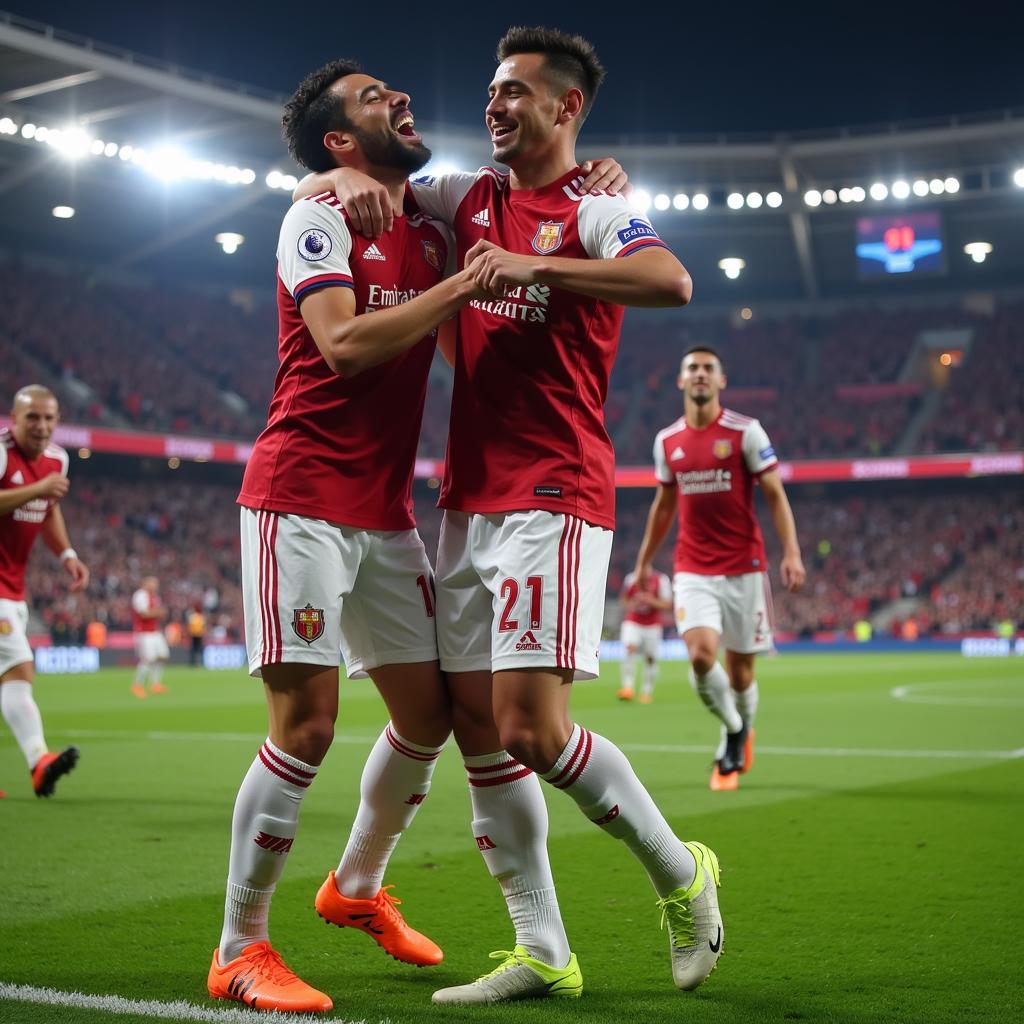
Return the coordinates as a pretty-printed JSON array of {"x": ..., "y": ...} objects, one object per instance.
[
  {"x": 572, "y": 760},
  {"x": 287, "y": 765},
  {"x": 582, "y": 762},
  {"x": 271, "y": 767},
  {"x": 502, "y": 779},
  {"x": 416, "y": 755},
  {"x": 486, "y": 769}
]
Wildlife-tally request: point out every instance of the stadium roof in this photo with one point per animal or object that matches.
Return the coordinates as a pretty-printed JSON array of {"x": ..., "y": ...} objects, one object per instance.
[{"x": 189, "y": 156}]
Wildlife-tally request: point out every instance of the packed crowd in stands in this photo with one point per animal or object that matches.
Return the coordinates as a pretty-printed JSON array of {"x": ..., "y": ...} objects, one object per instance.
[
  {"x": 182, "y": 362},
  {"x": 962, "y": 555}
]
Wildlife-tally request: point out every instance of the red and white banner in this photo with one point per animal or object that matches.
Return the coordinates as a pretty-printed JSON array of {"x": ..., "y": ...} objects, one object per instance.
[{"x": 912, "y": 467}]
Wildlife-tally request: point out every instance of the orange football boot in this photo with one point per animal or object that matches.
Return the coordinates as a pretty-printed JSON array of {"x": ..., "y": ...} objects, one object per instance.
[
  {"x": 646, "y": 698},
  {"x": 748, "y": 753},
  {"x": 259, "y": 978},
  {"x": 722, "y": 783},
  {"x": 157, "y": 688},
  {"x": 50, "y": 767},
  {"x": 381, "y": 920},
  {"x": 139, "y": 690},
  {"x": 625, "y": 693}
]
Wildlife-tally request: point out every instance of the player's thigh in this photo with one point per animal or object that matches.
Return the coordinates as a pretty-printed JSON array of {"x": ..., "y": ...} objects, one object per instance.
[
  {"x": 746, "y": 614},
  {"x": 389, "y": 618},
  {"x": 650, "y": 644},
  {"x": 296, "y": 573},
  {"x": 546, "y": 573},
  {"x": 16, "y": 659},
  {"x": 417, "y": 700},
  {"x": 302, "y": 706},
  {"x": 463, "y": 603},
  {"x": 698, "y": 610},
  {"x": 631, "y": 637}
]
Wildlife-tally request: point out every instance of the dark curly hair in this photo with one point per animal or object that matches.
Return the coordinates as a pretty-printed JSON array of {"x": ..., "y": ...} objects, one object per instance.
[
  {"x": 313, "y": 111},
  {"x": 570, "y": 61}
]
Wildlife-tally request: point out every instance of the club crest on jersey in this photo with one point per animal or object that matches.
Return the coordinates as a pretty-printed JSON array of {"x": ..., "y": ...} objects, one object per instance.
[
  {"x": 432, "y": 254},
  {"x": 549, "y": 236},
  {"x": 315, "y": 245},
  {"x": 722, "y": 448},
  {"x": 308, "y": 623}
]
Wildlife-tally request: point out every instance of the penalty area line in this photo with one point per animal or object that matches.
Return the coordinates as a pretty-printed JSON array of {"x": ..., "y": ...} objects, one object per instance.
[{"x": 177, "y": 1010}]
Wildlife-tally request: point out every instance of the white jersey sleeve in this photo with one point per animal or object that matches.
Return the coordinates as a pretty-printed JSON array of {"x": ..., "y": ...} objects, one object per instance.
[
  {"x": 609, "y": 227},
  {"x": 314, "y": 246},
  {"x": 440, "y": 195},
  {"x": 140, "y": 601},
  {"x": 662, "y": 471},
  {"x": 758, "y": 452}
]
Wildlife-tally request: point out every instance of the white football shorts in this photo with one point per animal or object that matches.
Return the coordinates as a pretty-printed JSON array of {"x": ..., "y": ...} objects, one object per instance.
[
  {"x": 315, "y": 593},
  {"x": 14, "y": 646},
  {"x": 521, "y": 590},
  {"x": 644, "y": 640},
  {"x": 151, "y": 646},
  {"x": 738, "y": 608}
]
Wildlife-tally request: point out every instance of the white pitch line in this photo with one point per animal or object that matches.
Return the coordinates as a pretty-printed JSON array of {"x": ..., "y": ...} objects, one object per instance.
[
  {"x": 910, "y": 694},
  {"x": 178, "y": 1010},
  {"x": 652, "y": 748}
]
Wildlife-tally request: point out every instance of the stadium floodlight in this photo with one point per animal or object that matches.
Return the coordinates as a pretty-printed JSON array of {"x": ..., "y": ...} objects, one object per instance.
[
  {"x": 67, "y": 212},
  {"x": 700, "y": 201},
  {"x": 1018, "y": 177},
  {"x": 167, "y": 163},
  {"x": 731, "y": 266},
  {"x": 846, "y": 195},
  {"x": 754, "y": 200},
  {"x": 125, "y": 152},
  {"x": 829, "y": 196},
  {"x": 229, "y": 241},
  {"x": 952, "y": 185},
  {"x": 978, "y": 251},
  {"x": 662, "y": 201},
  {"x": 680, "y": 201},
  {"x": 72, "y": 143},
  {"x": 640, "y": 200},
  {"x": 774, "y": 199},
  {"x": 812, "y": 197},
  {"x": 8, "y": 127},
  {"x": 28, "y": 130},
  {"x": 110, "y": 149},
  {"x": 735, "y": 200},
  {"x": 96, "y": 147},
  {"x": 900, "y": 189},
  {"x": 936, "y": 186},
  {"x": 878, "y": 191},
  {"x": 248, "y": 176},
  {"x": 920, "y": 187},
  {"x": 857, "y": 194}
]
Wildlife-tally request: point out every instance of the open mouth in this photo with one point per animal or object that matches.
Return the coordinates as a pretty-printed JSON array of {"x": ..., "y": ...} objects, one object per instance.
[
  {"x": 501, "y": 132},
  {"x": 404, "y": 127}
]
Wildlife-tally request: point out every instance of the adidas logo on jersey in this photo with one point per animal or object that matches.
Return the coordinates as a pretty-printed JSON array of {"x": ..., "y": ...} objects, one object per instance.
[
  {"x": 528, "y": 642},
  {"x": 482, "y": 218},
  {"x": 678, "y": 454},
  {"x": 373, "y": 253},
  {"x": 17, "y": 478}
]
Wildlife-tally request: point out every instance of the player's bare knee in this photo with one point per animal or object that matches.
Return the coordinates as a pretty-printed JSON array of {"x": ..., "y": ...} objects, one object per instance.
[
  {"x": 429, "y": 729},
  {"x": 702, "y": 659},
  {"x": 309, "y": 739},
  {"x": 536, "y": 748}
]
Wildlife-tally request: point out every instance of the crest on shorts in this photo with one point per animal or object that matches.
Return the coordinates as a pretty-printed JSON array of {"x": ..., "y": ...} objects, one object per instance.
[
  {"x": 549, "y": 236},
  {"x": 432, "y": 254},
  {"x": 5, "y": 627},
  {"x": 308, "y": 623},
  {"x": 680, "y": 614},
  {"x": 722, "y": 448}
]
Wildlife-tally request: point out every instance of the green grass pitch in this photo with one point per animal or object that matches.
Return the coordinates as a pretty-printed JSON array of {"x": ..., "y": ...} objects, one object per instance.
[{"x": 871, "y": 859}]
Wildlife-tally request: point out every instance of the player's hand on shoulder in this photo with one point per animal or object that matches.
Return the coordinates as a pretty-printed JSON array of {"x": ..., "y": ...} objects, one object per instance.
[
  {"x": 605, "y": 175},
  {"x": 53, "y": 485},
  {"x": 79, "y": 573},
  {"x": 366, "y": 201},
  {"x": 793, "y": 572},
  {"x": 495, "y": 268}
]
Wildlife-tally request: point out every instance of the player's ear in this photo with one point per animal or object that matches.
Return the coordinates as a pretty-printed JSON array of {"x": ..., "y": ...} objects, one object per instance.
[
  {"x": 571, "y": 106},
  {"x": 340, "y": 144},
  {"x": 725, "y": 381}
]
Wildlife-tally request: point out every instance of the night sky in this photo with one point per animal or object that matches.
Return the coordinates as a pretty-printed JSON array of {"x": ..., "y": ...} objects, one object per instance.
[{"x": 709, "y": 68}]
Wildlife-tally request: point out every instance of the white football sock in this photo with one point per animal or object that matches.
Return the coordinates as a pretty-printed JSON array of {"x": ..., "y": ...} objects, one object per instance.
[
  {"x": 262, "y": 832},
  {"x": 650, "y": 675},
  {"x": 510, "y": 826},
  {"x": 716, "y": 693},
  {"x": 21, "y": 713},
  {"x": 396, "y": 780},
  {"x": 156, "y": 670},
  {"x": 142, "y": 673},
  {"x": 746, "y": 703},
  {"x": 628, "y": 671},
  {"x": 597, "y": 775}
]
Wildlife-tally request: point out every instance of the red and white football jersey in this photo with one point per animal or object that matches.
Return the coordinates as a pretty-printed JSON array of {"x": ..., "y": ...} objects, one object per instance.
[
  {"x": 342, "y": 449},
  {"x": 19, "y": 529},
  {"x": 144, "y": 601},
  {"x": 639, "y": 611},
  {"x": 531, "y": 377},
  {"x": 714, "y": 470}
]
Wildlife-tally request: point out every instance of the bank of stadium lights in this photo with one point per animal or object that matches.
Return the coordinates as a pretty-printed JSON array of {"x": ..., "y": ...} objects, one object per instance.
[
  {"x": 978, "y": 251},
  {"x": 731, "y": 266},
  {"x": 879, "y": 191},
  {"x": 63, "y": 212},
  {"x": 229, "y": 241}
]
